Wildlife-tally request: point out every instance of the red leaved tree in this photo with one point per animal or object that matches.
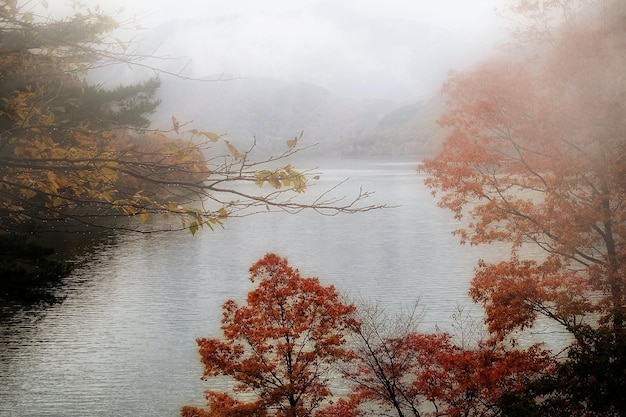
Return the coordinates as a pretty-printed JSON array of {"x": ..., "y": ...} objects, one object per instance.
[
  {"x": 279, "y": 347},
  {"x": 398, "y": 371},
  {"x": 537, "y": 155}
]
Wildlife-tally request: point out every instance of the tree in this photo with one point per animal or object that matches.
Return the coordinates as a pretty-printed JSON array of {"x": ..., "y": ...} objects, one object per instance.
[
  {"x": 77, "y": 156},
  {"x": 536, "y": 157},
  {"x": 380, "y": 368},
  {"x": 397, "y": 370},
  {"x": 279, "y": 346},
  {"x": 29, "y": 271},
  {"x": 68, "y": 154}
]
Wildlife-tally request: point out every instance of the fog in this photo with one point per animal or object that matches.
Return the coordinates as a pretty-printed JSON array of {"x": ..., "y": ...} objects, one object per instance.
[
  {"x": 344, "y": 63},
  {"x": 400, "y": 49}
]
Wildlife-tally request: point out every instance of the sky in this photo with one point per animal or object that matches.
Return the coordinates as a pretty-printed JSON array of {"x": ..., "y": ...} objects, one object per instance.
[
  {"x": 267, "y": 38},
  {"x": 460, "y": 14}
]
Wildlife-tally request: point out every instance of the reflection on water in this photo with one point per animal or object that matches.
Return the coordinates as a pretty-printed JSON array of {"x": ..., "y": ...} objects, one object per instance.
[{"x": 123, "y": 342}]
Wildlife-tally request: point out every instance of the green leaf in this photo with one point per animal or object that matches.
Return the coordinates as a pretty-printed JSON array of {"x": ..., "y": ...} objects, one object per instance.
[{"x": 193, "y": 228}]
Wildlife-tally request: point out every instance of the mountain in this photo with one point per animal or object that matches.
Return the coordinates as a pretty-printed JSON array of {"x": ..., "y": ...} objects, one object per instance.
[
  {"x": 336, "y": 74},
  {"x": 408, "y": 131},
  {"x": 272, "y": 111},
  {"x": 266, "y": 109}
]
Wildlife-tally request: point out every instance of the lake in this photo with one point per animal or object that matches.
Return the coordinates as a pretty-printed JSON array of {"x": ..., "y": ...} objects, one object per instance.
[{"x": 123, "y": 341}]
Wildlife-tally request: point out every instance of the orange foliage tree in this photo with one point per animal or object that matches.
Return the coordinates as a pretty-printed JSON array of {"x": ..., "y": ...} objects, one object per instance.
[
  {"x": 537, "y": 157},
  {"x": 396, "y": 370},
  {"x": 293, "y": 337},
  {"x": 279, "y": 347}
]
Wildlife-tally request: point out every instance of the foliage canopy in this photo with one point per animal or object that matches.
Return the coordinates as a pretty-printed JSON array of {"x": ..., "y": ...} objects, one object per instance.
[
  {"x": 279, "y": 346},
  {"x": 536, "y": 158},
  {"x": 295, "y": 339}
]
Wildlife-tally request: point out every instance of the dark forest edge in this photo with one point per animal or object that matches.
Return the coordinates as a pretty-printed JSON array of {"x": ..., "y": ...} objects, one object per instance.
[{"x": 29, "y": 271}]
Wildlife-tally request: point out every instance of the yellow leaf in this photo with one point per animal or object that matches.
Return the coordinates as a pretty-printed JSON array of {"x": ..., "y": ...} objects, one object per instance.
[
  {"x": 144, "y": 216},
  {"x": 52, "y": 179},
  {"x": 233, "y": 151},
  {"x": 222, "y": 213},
  {"x": 299, "y": 182},
  {"x": 300, "y": 186},
  {"x": 212, "y": 136},
  {"x": 293, "y": 142}
]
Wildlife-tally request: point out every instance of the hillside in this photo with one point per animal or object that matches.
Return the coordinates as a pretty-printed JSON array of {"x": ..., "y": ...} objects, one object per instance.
[
  {"x": 410, "y": 130},
  {"x": 272, "y": 111},
  {"x": 336, "y": 74},
  {"x": 268, "y": 110}
]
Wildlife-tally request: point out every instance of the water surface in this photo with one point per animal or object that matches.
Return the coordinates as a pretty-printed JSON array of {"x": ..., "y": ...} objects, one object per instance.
[{"x": 123, "y": 341}]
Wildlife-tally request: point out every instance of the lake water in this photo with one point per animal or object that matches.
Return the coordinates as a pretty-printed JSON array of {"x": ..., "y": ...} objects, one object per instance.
[{"x": 123, "y": 341}]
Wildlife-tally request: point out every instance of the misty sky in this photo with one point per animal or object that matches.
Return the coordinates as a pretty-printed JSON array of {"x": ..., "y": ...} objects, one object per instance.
[
  {"x": 280, "y": 39},
  {"x": 464, "y": 15}
]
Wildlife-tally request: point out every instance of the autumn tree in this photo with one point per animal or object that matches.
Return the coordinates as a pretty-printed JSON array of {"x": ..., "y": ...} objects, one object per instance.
[
  {"x": 380, "y": 368},
  {"x": 279, "y": 347},
  {"x": 397, "y": 370},
  {"x": 536, "y": 157},
  {"x": 67, "y": 151},
  {"x": 79, "y": 156}
]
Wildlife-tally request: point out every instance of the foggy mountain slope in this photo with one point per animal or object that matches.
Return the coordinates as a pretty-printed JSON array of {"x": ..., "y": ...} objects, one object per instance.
[
  {"x": 324, "y": 69},
  {"x": 409, "y": 131},
  {"x": 269, "y": 110}
]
